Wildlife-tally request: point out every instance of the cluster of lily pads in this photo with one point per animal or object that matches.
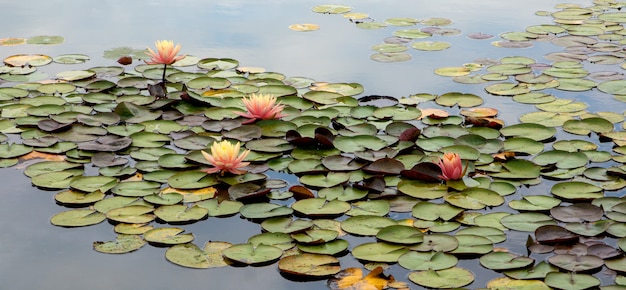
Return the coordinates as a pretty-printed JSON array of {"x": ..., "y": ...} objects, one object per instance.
[
  {"x": 395, "y": 47},
  {"x": 118, "y": 149}
]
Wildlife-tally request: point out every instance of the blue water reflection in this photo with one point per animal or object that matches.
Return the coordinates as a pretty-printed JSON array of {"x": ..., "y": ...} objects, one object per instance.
[{"x": 37, "y": 255}]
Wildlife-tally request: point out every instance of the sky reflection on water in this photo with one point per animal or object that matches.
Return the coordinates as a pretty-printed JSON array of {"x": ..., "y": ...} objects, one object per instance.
[{"x": 37, "y": 255}]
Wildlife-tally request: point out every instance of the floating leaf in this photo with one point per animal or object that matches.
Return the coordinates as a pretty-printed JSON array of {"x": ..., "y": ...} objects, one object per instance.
[
  {"x": 379, "y": 252},
  {"x": 309, "y": 265},
  {"x": 526, "y": 222},
  {"x": 320, "y": 207},
  {"x": 189, "y": 255},
  {"x": 77, "y": 218},
  {"x": 366, "y": 225},
  {"x": 122, "y": 244},
  {"x": 571, "y": 280},
  {"x": 285, "y": 225},
  {"x": 178, "y": 213},
  {"x": 447, "y": 278},
  {"x": 504, "y": 261}
]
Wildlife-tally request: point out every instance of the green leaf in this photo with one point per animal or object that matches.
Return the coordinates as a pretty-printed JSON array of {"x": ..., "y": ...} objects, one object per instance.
[
  {"x": 454, "y": 277},
  {"x": 122, "y": 244},
  {"x": 251, "y": 255},
  {"x": 189, "y": 255}
]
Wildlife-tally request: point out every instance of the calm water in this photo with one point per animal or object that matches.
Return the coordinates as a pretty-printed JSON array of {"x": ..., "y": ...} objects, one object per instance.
[{"x": 37, "y": 255}]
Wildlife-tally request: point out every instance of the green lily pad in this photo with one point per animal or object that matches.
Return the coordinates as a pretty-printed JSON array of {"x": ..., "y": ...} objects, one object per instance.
[
  {"x": 333, "y": 247},
  {"x": 571, "y": 280},
  {"x": 167, "y": 236},
  {"x": 370, "y": 207},
  {"x": 539, "y": 271},
  {"x": 433, "y": 211},
  {"x": 132, "y": 229},
  {"x": 148, "y": 140},
  {"x": 285, "y": 225},
  {"x": 366, "y": 225},
  {"x": 331, "y": 9},
  {"x": 315, "y": 236},
  {"x": 328, "y": 180},
  {"x": 523, "y": 145},
  {"x": 179, "y": 213},
  {"x": 45, "y": 39},
  {"x": 562, "y": 106},
  {"x": 192, "y": 180},
  {"x": 164, "y": 199},
  {"x": 422, "y": 261},
  {"x": 518, "y": 169},
  {"x": 472, "y": 245},
  {"x": 358, "y": 143},
  {"x": 507, "y": 89},
  {"x": 588, "y": 125},
  {"x": 504, "y": 261},
  {"x": 14, "y": 150},
  {"x": 431, "y": 45},
  {"x": 391, "y": 57},
  {"x": 108, "y": 204},
  {"x": 279, "y": 240},
  {"x": 526, "y": 222},
  {"x": 616, "y": 264},
  {"x": 436, "y": 242},
  {"x": 251, "y": 255},
  {"x": 411, "y": 33},
  {"x": 460, "y": 99},
  {"x": 496, "y": 235},
  {"x": 422, "y": 190},
  {"x": 93, "y": 183},
  {"x": 575, "y": 84},
  {"x": 534, "y": 203},
  {"x": 379, "y": 252},
  {"x": 536, "y": 132},
  {"x": 320, "y": 207},
  {"x": 72, "y": 197},
  {"x": 223, "y": 208},
  {"x": 136, "y": 188},
  {"x": 561, "y": 159},
  {"x": 131, "y": 214},
  {"x": 576, "y": 263},
  {"x": 474, "y": 198},
  {"x": 613, "y": 87},
  {"x": 309, "y": 265},
  {"x": 576, "y": 190},
  {"x": 454, "y": 277},
  {"x": 77, "y": 218},
  {"x": 590, "y": 229},
  {"x": 400, "y": 234},
  {"x": 264, "y": 210},
  {"x": 122, "y": 244},
  {"x": 49, "y": 166},
  {"x": 189, "y": 255}
]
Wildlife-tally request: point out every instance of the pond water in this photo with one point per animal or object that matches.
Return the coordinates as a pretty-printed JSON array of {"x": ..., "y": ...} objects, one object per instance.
[{"x": 37, "y": 255}]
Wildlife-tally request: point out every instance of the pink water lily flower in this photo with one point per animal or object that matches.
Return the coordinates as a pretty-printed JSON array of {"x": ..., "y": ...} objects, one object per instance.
[
  {"x": 165, "y": 53},
  {"x": 451, "y": 166},
  {"x": 225, "y": 157},
  {"x": 261, "y": 107}
]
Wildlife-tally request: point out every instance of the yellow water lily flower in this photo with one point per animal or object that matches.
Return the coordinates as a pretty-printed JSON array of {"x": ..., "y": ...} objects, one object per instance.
[{"x": 225, "y": 157}]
